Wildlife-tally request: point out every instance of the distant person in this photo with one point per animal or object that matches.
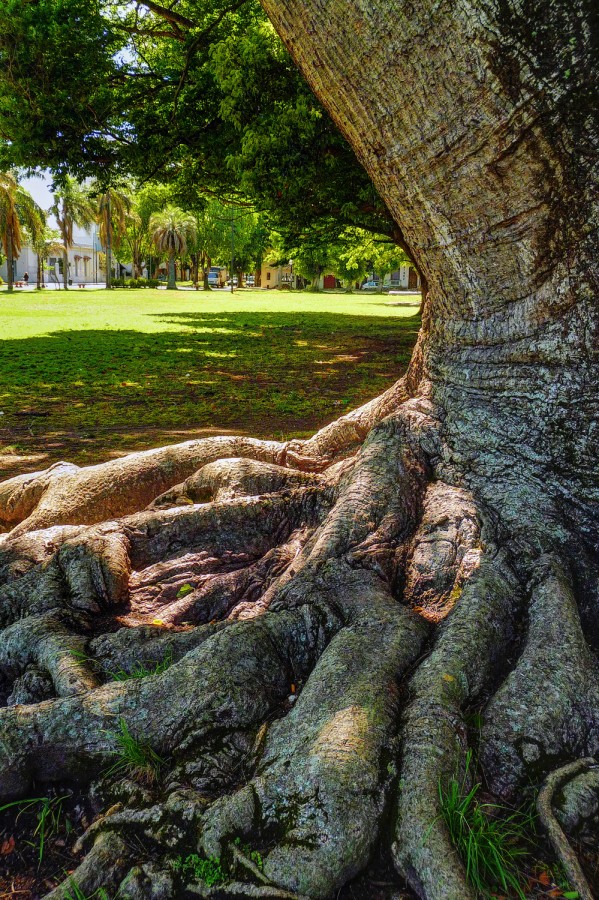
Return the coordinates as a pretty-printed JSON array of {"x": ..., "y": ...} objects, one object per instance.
[{"x": 26, "y": 278}]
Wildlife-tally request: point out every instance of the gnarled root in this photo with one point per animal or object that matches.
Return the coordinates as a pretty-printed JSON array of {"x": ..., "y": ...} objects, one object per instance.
[
  {"x": 236, "y": 678},
  {"x": 315, "y": 620},
  {"x": 322, "y": 778},
  {"x": 547, "y": 710},
  {"x": 66, "y": 494},
  {"x": 461, "y": 666},
  {"x": 558, "y": 839},
  {"x": 105, "y": 866}
]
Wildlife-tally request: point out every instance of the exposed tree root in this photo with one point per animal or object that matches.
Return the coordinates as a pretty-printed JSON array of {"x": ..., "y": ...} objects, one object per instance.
[
  {"x": 66, "y": 494},
  {"x": 463, "y": 662},
  {"x": 547, "y": 710},
  {"x": 558, "y": 839},
  {"x": 105, "y": 866},
  {"x": 321, "y": 781},
  {"x": 322, "y": 620}
]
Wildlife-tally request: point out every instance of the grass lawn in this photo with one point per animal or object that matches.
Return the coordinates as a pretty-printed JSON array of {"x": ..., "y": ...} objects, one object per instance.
[{"x": 86, "y": 375}]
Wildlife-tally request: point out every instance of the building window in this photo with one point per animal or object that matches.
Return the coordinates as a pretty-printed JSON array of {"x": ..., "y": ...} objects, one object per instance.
[{"x": 268, "y": 276}]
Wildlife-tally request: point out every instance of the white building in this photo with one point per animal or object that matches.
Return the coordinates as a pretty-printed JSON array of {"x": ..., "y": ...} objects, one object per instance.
[{"x": 86, "y": 261}]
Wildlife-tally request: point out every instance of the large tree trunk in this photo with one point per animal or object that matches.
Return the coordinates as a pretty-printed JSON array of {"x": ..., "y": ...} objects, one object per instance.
[{"x": 336, "y": 609}]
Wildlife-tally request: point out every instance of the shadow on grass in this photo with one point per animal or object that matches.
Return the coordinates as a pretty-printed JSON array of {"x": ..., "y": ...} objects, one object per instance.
[{"x": 85, "y": 395}]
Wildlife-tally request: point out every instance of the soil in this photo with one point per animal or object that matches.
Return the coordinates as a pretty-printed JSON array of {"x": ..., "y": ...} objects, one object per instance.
[{"x": 34, "y": 857}]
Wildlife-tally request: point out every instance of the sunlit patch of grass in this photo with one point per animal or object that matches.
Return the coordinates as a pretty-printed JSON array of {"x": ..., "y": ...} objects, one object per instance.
[{"x": 166, "y": 365}]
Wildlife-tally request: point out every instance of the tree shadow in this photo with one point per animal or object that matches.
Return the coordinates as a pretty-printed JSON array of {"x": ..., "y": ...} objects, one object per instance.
[{"x": 84, "y": 395}]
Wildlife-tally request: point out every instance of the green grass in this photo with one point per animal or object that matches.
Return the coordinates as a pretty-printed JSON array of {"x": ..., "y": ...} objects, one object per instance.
[
  {"x": 74, "y": 892},
  {"x": 141, "y": 670},
  {"x": 138, "y": 670},
  {"x": 135, "y": 759},
  {"x": 49, "y": 819},
  {"x": 213, "y": 870},
  {"x": 89, "y": 374},
  {"x": 492, "y": 840}
]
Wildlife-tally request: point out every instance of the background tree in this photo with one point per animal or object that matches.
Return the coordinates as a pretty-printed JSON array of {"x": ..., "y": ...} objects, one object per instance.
[
  {"x": 360, "y": 252},
  {"x": 45, "y": 244},
  {"x": 249, "y": 238},
  {"x": 137, "y": 241},
  {"x": 217, "y": 87},
  {"x": 72, "y": 207},
  {"x": 211, "y": 242},
  {"x": 171, "y": 229},
  {"x": 18, "y": 212},
  {"x": 112, "y": 214}
]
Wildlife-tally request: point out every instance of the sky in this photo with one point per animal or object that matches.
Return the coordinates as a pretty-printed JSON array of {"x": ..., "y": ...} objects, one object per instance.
[{"x": 39, "y": 188}]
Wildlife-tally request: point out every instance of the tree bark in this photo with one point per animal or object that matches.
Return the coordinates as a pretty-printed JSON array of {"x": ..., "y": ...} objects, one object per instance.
[
  {"x": 337, "y": 609},
  {"x": 65, "y": 270},
  {"x": 205, "y": 271},
  {"x": 108, "y": 214},
  {"x": 171, "y": 283},
  {"x": 500, "y": 218},
  {"x": 9, "y": 263}
]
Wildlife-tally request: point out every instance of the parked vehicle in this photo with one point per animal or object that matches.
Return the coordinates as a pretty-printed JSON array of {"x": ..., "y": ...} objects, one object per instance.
[
  {"x": 370, "y": 285},
  {"x": 214, "y": 279}
]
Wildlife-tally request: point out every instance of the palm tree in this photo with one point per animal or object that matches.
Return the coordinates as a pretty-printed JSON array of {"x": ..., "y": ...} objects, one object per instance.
[
  {"x": 18, "y": 209},
  {"x": 113, "y": 208},
  {"x": 171, "y": 229},
  {"x": 72, "y": 206}
]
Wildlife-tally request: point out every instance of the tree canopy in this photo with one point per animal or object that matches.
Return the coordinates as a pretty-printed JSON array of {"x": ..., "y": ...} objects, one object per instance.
[{"x": 206, "y": 98}]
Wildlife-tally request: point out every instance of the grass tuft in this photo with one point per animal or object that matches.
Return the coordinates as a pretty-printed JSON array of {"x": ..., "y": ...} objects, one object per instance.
[
  {"x": 50, "y": 819},
  {"x": 136, "y": 759},
  {"x": 74, "y": 892},
  {"x": 491, "y": 839},
  {"x": 140, "y": 670}
]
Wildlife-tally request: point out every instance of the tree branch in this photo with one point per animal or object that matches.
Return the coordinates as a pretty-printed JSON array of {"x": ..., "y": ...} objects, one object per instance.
[
  {"x": 169, "y": 14},
  {"x": 177, "y": 35}
]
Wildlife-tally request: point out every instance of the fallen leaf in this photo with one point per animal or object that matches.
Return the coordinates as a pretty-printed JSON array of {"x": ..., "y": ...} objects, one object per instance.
[
  {"x": 7, "y": 846},
  {"x": 447, "y": 677},
  {"x": 544, "y": 878}
]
